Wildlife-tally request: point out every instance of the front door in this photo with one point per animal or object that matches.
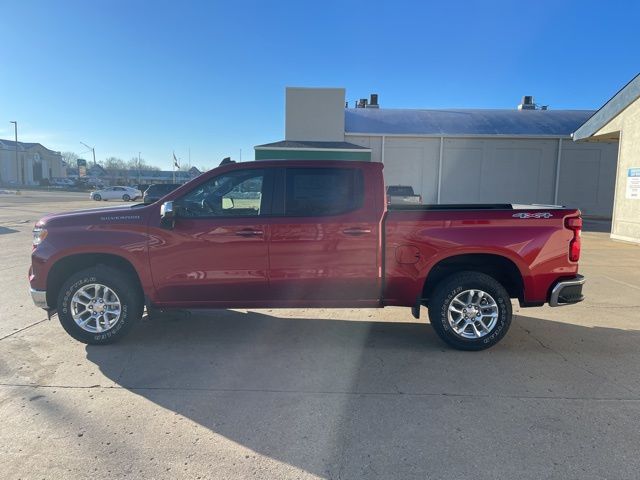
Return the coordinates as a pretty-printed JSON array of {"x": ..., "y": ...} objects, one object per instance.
[
  {"x": 216, "y": 254},
  {"x": 325, "y": 242}
]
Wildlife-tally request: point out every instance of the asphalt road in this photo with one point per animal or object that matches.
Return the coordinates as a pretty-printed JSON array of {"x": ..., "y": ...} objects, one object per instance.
[{"x": 321, "y": 393}]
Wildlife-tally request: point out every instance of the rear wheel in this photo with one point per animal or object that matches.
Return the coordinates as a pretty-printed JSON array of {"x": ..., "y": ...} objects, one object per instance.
[
  {"x": 99, "y": 305},
  {"x": 470, "y": 311},
  {"x": 126, "y": 197}
]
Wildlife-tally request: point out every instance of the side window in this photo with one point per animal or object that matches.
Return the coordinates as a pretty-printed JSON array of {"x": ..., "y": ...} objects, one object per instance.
[
  {"x": 322, "y": 191},
  {"x": 233, "y": 194}
]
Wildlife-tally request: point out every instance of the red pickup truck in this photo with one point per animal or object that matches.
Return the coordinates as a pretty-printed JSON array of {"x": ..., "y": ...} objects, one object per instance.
[{"x": 304, "y": 234}]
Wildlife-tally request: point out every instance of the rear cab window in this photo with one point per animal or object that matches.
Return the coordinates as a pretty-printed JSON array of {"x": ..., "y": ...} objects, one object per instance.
[{"x": 314, "y": 192}]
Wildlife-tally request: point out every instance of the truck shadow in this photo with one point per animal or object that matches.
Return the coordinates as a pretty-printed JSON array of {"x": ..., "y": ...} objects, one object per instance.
[{"x": 361, "y": 399}]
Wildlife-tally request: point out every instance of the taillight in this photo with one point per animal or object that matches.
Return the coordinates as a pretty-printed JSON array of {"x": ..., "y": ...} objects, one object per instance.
[{"x": 575, "y": 225}]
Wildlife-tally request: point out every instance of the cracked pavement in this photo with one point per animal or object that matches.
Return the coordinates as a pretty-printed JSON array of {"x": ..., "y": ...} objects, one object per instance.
[{"x": 320, "y": 393}]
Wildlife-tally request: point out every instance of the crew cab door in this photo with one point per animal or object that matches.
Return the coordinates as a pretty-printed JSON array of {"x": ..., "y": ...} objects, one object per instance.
[
  {"x": 216, "y": 254},
  {"x": 325, "y": 237}
]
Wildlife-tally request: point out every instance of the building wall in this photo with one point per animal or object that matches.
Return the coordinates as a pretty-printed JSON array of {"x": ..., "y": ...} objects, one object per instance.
[
  {"x": 314, "y": 114},
  {"x": 587, "y": 177},
  {"x": 626, "y": 211},
  {"x": 499, "y": 170},
  {"x": 47, "y": 162}
]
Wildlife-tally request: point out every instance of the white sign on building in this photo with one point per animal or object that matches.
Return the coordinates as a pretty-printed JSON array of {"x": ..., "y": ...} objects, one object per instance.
[{"x": 633, "y": 183}]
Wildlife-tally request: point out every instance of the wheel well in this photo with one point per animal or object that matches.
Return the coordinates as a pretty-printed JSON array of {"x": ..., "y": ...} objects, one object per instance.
[
  {"x": 501, "y": 268},
  {"x": 67, "y": 266}
]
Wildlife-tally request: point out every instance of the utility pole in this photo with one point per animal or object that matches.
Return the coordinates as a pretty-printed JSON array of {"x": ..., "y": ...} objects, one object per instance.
[
  {"x": 93, "y": 150},
  {"x": 19, "y": 172},
  {"x": 139, "y": 168}
]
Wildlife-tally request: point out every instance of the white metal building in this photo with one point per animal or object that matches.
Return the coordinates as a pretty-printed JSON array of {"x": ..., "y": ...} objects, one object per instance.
[{"x": 523, "y": 155}]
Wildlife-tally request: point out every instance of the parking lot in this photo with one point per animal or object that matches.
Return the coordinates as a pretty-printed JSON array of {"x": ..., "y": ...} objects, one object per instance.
[{"x": 320, "y": 393}]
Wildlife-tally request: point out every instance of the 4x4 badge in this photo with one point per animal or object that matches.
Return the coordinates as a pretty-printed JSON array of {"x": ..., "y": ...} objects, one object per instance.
[{"x": 533, "y": 215}]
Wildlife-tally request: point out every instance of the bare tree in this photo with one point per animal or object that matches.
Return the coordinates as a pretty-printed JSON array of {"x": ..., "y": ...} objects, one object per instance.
[
  {"x": 112, "y": 164},
  {"x": 70, "y": 158},
  {"x": 140, "y": 164}
]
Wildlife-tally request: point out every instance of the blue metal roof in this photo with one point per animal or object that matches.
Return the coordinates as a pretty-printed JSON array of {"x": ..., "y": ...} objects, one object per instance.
[{"x": 464, "y": 122}]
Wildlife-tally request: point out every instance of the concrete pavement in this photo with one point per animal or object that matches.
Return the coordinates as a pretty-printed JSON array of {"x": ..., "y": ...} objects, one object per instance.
[{"x": 321, "y": 393}]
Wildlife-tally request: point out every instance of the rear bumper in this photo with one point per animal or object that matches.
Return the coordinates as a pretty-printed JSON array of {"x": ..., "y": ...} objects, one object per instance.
[
  {"x": 566, "y": 292},
  {"x": 39, "y": 297}
]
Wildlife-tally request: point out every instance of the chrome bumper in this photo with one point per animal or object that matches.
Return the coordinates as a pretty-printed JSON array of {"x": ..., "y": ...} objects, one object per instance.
[
  {"x": 567, "y": 292},
  {"x": 39, "y": 297}
]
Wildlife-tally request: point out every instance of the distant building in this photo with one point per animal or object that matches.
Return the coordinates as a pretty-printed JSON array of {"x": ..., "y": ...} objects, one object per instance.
[
  {"x": 35, "y": 163},
  {"x": 97, "y": 173},
  {"x": 519, "y": 155}
]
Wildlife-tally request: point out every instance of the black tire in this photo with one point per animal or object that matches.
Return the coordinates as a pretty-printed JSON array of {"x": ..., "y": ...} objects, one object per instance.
[
  {"x": 132, "y": 303},
  {"x": 126, "y": 197},
  {"x": 444, "y": 295},
  {"x": 97, "y": 197}
]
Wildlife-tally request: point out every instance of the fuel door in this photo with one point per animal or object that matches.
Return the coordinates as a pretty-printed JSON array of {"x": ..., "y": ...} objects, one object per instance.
[{"x": 407, "y": 254}]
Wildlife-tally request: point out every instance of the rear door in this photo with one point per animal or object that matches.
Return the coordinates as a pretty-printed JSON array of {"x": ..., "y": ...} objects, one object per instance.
[{"x": 325, "y": 237}]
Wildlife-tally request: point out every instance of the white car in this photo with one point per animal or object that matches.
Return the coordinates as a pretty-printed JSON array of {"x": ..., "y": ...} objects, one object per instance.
[{"x": 116, "y": 193}]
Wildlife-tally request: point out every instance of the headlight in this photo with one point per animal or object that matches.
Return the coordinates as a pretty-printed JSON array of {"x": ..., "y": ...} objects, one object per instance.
[{"x": 39, "y": 234}]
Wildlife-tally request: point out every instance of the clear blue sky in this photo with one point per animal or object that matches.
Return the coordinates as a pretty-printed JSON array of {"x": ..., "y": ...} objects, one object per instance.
[{"x": 130, "y": 76}]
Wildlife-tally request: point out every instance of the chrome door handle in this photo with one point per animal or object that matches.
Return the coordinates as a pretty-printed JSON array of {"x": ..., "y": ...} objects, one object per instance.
[
  {"x": 249, "y": 233},
  {"x": 356, "y": 231}
]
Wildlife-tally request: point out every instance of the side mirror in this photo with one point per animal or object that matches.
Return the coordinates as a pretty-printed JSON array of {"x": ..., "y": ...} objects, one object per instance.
[{"x": 167, "y": 215}]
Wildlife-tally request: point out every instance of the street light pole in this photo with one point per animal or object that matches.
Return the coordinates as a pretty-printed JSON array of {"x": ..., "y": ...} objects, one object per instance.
[
  {"x": 93, "y": 150},
  {"x": 19, "y": 175}
]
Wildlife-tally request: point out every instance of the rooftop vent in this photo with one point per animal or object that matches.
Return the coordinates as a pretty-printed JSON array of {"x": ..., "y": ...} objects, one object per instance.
[
  {"x": 372, "y": 102},
  {"x": 527, "y": 103}
]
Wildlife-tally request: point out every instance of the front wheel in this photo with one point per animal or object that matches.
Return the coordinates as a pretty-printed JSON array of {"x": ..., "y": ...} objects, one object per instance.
[
  {"x": 97, "y": 197},
  {"x": 126, "y": 197},
  {"x": 99, "y": 305},
  {"x": 470, "y": 311}
]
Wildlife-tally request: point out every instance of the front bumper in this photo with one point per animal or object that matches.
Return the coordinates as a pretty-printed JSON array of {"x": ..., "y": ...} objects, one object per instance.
[
  {"x": 39, "y": 297},
  {"x": 567, "y": 292}
]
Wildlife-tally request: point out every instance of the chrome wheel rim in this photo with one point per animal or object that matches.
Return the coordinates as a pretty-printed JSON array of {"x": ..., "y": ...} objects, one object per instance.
[
  {"x": 473, "y": 314},
  {"x": 96, "y": 308}
]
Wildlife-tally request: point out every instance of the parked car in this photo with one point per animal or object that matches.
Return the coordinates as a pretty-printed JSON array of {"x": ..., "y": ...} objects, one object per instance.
[
  {"x": 61, "y": 182},
  {"x": 319, "y": 234},
  {"x": 402, "y": 195},
  {"x": 157, "y": 191},
  {"x": 116, "y": 193}
]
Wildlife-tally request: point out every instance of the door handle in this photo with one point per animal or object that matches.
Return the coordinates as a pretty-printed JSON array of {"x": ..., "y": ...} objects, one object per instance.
[
  {"x": 248, "y": 232},
  {"x": 356, "y": 231}
]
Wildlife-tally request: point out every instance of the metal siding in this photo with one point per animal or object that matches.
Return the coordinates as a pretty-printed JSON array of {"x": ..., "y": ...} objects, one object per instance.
[
  {"x": 587, "y": 177},
  {"x": 374, "y": 143},
  {"x": 498, "y": 171},
  {"x": 413, "y": 162},
  {"x": 502, "y": 170}
]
